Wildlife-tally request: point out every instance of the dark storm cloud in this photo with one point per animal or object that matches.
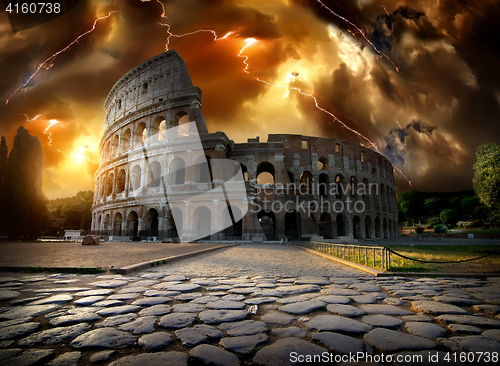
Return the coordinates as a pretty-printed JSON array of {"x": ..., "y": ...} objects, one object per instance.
[{"x": 446, "y": 94}]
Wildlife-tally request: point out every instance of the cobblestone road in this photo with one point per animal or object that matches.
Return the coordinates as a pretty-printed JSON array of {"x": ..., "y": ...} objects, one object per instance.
[{"x": 260, "y": 304}]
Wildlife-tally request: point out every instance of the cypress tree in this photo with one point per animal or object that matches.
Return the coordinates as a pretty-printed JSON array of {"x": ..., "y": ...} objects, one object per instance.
[{"x": 22, "y": 196}]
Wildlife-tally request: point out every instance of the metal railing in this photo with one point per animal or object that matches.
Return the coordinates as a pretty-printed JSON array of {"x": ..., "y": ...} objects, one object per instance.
[{"x": 370, "y": 256}]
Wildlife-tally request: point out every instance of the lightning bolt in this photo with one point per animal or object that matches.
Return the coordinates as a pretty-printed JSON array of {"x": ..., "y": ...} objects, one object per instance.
[
  {"x": 360, "y": 31},
  {"x": 251, "y": 41},
  {"x": 52, "y": 122},
  {"x": 48, "y": 63},
  {"x": 170, "y": 34},
  {"x": 80, "y": 156}
]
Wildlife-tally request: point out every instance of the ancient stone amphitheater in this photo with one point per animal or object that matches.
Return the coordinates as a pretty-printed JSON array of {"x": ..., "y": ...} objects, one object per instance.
[{"x": 296, "y": 186}]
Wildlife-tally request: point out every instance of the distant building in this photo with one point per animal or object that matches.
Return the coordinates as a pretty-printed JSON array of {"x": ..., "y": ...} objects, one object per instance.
[{"x": 314, "y": 187}]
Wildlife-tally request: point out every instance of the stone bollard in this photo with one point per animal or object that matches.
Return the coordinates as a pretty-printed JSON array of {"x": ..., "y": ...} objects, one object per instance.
[{"x": 91, "y": 240}]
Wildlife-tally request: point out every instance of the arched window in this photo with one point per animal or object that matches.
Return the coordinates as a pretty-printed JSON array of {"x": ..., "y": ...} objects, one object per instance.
[
  {"x": 154, "y": 174},
  {"x": 353, "y": 182},
  {"x": 141, "y": 134},
  {"x": 306, "y": 180},
  {"x": 177, "y": 171},
  {"x": 323, "y": 163},
  {"x": 324, "y": 182},
  {"x": 339, "y": 182},
  {"x": 126, "y": 140},
  {"x": 132, "y": 223},
  {"x": 116, "y": 141},
  {"x": 120, "y": 181},
  {"x": 181, "y": 119},
  {"x": 155, "y": 129},
  {"x": 202, "y": 222},
  {"x": 117, "y": 224},
  {"x": 265, "y": 173},
  {"x": 111, "y": 180},
  {"x": 203, "y": 169},
  {"x": 135, "y": 177}
]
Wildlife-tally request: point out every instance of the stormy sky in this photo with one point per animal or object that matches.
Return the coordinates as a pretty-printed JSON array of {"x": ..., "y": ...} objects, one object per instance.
[{"x": 418, "y": 79}]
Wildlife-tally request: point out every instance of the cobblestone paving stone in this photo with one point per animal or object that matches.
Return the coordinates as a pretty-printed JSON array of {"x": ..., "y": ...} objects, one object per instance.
[{"x": 242, "y": 305}]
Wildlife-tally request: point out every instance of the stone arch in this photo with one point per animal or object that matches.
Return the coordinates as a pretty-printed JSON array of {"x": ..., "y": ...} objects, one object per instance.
[
  {"x": 126, "y": 139},
  {"x": 339, "y": 181},
  {"x": 340, "y": 225},
  {"x": 177, "y": 223},
  {"x": 155, "y": 128},
  {"x": 107, "y": 223},
  {"x": 353, "y": 182},
  {"x": 368, "y": 227},
  {"x": 291, "y": 177},
  {"x": 378, "y": 230},
  {"x": 233, "y": 229},
  {"x": 151, "y": 222},
  {"x": 108, "y": 149},
  {"x": 325, "y": 226},
  {"x": 391, "y": 235},
  {"x": 141, "y": 134},
  {"x": 117, "y": 224},
  {"x": 306, "y": 180},
  {"x": 356, "y": 227},
  {"x": 110, "y": 182},
  {"x": 244, "y": 171},
  {"x": 292, "y": 225},
  {"x": 120, "y": 181},
  {"x": 324, "y": 183},
  {"x": 382, "y": 198},
  {"x": 177, "y": 171},
  {"x": 322, "y": 163},
  {"x": 374, "y": 173},
  {"x": 154, "y": 174},
  {"x": 267, "y": 221},
  {"x": 265, "y": 173},
  {"x": 116, "y": 142},
  {"x": 202, "y": 222},
  {"x": 386, "y": 232},
  {"x": 132, "y": 223},
  {"x": 103, "y": 186},
  {"x": 203, "y": 169},
  {"x": 135, "y": 178},
  {"x": 181, "y": 118},
  {"x": 388, "y": 199}
]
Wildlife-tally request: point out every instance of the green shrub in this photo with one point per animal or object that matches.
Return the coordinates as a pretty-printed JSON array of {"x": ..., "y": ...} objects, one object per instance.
[
  {"x": 433, "y": 222},
  {"x": 419, "y": 229},
  {"x": 439, "y": 229}
]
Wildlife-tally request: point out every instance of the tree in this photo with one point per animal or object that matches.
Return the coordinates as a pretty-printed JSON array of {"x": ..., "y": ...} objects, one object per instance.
[
  {"x": 411, "y": 205},
  {"x": 486, "y": 179},
  {"x": 468, "y": 204},
  {"x": 71, "y": 212},
  {"x": 433, "y": 205},
  {"x": 449, "y": 216},
  {"x": 24, "y": 211}
]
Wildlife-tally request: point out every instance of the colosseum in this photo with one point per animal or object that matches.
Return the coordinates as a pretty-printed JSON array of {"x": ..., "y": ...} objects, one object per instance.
[{"x": 296, "y": 187}]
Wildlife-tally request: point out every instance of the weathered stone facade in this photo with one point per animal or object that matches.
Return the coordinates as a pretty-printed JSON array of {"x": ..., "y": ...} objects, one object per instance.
[{"x": 308, "y": 179}]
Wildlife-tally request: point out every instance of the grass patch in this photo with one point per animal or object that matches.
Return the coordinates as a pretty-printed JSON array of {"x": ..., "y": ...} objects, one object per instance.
[
  {"x": 74, "y": 270},
  {"x": 445, "y": 253}
]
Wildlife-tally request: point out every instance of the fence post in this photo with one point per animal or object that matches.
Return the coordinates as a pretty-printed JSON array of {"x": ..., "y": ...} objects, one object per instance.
[
  {"x": 366, "y": 256},
  {"x": 388, "y": 260},
  {"x": 374, "y": 257}
]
